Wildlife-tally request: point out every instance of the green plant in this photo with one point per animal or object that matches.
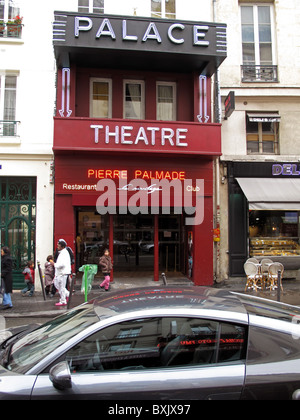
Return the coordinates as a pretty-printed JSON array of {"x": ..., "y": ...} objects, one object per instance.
[{"x": 16, "y": 21}]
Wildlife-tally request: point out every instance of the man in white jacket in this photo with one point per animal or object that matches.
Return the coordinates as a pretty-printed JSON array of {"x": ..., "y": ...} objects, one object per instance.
[{"x": 62, "y": 271}]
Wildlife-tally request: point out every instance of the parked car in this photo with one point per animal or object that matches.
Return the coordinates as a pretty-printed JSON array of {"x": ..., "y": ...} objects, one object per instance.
[{"x": 159, "y": 343}]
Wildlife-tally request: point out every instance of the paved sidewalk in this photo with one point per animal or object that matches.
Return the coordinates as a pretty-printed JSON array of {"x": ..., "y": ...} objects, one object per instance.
[{"x": 37, "y": 307}]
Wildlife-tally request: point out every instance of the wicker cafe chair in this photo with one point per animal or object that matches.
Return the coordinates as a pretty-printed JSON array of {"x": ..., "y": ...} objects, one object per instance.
[
  {"x": 273, "y": 275},
  {"x": 265, "y": 264},
  {"x": 253, "y": 276},
  {"x": 252, "y": 259}
]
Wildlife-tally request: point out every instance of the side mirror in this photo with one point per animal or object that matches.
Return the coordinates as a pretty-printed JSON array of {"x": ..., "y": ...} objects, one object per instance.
[{"x": 60, "y": 376}]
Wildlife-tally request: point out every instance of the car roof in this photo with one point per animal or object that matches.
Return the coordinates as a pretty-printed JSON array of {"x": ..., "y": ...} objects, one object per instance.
[{"x": 168, "y": 297}]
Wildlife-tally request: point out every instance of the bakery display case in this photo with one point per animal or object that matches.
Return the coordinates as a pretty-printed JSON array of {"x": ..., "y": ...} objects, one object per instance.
[{"x": 274, "y": 247}]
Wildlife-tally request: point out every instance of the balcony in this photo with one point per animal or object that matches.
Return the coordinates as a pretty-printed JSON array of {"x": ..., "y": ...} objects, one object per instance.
[
  {"x": 8, "y": 128},
  {"x": 261, "y": 74},
  {"x": 10, "y": 30}
]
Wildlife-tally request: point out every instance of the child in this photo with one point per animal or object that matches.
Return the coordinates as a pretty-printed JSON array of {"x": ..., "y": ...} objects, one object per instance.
[
  {"x": 49, "y": 274},
  {"x": 106, "y": 266},
  {"x": 29, "y": 279}
]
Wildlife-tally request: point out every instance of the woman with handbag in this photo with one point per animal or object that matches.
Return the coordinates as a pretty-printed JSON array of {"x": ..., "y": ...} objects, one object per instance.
[{"x": 6, "y": 277}]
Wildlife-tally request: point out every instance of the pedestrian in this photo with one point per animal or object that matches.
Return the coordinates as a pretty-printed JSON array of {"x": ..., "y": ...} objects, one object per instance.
[
  {"x": 29, "y": 279},
  {"x": 62, "y": 271},
  {"x": 106, "y": 267},
  {"x": 49, "y": 274},
  {"x": 6, "y": 277}
]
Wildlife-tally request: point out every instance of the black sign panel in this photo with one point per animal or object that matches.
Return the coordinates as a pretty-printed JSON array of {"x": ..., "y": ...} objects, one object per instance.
[{"x": 198, "y": 43}]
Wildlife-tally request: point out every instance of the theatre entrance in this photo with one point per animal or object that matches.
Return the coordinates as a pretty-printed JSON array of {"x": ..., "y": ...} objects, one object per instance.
[{"x": 133, "y": 241}]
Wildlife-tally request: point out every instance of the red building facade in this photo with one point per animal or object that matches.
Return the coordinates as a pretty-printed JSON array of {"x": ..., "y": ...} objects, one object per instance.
[{"x": 134, "y": 141}]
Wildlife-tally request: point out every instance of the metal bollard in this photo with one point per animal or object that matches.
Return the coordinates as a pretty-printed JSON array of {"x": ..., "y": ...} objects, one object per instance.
[
  {"x": 164, "y": 278},
  {"x": 278, "y": 285}
]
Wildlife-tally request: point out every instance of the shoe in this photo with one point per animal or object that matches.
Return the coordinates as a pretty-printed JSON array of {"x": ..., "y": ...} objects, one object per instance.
[
  {"x": 6, "y": 307},
  {"x": 60, "y": 304}
]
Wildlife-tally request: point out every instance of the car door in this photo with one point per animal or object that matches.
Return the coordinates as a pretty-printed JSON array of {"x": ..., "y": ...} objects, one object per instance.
[{"x": 155, "y": 358}]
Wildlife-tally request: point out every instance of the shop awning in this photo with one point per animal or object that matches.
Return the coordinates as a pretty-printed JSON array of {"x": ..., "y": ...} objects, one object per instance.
[
  {"x": 271, "y": 193},
  {"x": 261, "y": 117}
]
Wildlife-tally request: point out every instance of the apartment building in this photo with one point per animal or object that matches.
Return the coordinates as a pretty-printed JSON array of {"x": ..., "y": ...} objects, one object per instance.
[
  {"x": 258, "y": 196},
  {"x": 27, "y": 99}
]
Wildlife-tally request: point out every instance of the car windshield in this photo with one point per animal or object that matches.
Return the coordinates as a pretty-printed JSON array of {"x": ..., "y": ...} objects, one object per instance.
[{"x": 36, "y": 345}]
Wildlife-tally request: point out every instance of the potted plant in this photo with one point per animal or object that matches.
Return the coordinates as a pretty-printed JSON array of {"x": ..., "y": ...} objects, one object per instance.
[
  {"x": 14, "y": 26},
  {"x": 2, "y": 27}
]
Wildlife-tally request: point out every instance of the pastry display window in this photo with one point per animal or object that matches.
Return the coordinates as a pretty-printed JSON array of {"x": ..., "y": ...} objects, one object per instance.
[{"x": 274, "y": 233}]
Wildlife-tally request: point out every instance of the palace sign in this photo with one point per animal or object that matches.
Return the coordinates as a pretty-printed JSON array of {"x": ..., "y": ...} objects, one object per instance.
[{"x": 114, "y": 37}]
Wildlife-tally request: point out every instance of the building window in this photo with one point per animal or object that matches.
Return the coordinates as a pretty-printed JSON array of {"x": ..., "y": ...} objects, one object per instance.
[
  {"x": 9, "y": 9},
  {"x": 262, "y": 134},
  {"x": 8, "y": 94},
  {"x": 10, "y": 20},
  {"x": 163, "y": 9},
  {"x": 274, "y": 233},
  {"x": 134, "y": 98},
  {"x": 257, "y": 43},
  {"x": 100, "y": 98},
  {"x": 166, "y": 101},
  {"x": 91, "y": 6}
]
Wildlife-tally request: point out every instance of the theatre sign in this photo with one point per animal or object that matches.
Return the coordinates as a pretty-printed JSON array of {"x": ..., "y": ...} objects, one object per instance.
[{"x": 204, "y": 43}]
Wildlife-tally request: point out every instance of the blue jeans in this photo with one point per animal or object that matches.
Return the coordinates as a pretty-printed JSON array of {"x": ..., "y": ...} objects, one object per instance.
[{"x": 7, "y": 299}]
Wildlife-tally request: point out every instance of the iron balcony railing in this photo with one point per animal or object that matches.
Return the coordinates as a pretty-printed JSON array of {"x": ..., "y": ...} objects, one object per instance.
[
  {"x": 12, "y": 30},
  {"x": 8, "y": 128},
  {"x": 252, "y": 73}
]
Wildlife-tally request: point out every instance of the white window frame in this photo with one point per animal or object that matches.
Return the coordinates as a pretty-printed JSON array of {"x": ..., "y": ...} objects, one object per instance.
[
  {"x": 101, "y": 80},
  {"x": 91, "y": 7},
  {"x": 163, "y": 10},
  {"x": 6, "y": 16},
  {"x": 174, "y": 106},
  {"x": 3, "y": 76},
  {"x": 142, "y": 84},
  {"x": 256, "y": 31}
]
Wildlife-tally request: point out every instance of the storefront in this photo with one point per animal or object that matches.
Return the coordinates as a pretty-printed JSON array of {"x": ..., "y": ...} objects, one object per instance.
[
  {"x": 135, "y": 141},
  {"x": 147, "y": 235},
  {"x": 265, "y": 198}
]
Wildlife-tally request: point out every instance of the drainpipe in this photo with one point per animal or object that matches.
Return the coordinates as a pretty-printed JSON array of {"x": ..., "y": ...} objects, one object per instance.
[{"x": 217, "y": 112}]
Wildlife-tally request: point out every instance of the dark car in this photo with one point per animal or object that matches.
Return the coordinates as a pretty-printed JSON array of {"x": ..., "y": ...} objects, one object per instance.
[{"x": 159, "y": 343}]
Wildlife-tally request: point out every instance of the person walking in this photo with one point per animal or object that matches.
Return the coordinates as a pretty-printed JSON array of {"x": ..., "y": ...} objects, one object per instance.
[
  {"x": 49, "y": 274},
  {"x": 29, "y": 279},
  {"x": 6, "y": 277},
  {"x": 62, "y": 271},
  {"x": 106, "y": 267}
]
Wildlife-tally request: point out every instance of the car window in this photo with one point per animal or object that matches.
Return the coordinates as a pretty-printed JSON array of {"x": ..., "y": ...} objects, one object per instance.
[{"x": 158, "y": 343}]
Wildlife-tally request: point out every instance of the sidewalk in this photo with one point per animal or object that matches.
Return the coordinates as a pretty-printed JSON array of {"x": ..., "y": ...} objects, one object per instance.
[{"x": 37, "y": 307}]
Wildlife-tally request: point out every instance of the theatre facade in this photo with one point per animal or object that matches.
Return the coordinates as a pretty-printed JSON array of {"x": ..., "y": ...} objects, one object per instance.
[{"x": 135, "y": 141}]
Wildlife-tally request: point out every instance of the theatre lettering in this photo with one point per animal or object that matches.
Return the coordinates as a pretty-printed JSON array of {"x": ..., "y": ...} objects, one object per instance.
[{"x": 147, "y": 135}]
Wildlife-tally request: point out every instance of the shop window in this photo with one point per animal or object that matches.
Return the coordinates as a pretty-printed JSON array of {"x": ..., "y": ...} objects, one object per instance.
[
  {"x": 166, "y": 101},
  {"x": 91, "y": 6},
  {"x": 257, "y": 43},
  {"x": 274, "y": 233},
  {"x": 163, "y": 9},
  {"x": 8, "y": 94},
  {"x": 134, "y": 99},
  {"x": 101, "y": 98},
  {"x": 262, "y": 135},
  {"x": 149, "y": 343}
]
